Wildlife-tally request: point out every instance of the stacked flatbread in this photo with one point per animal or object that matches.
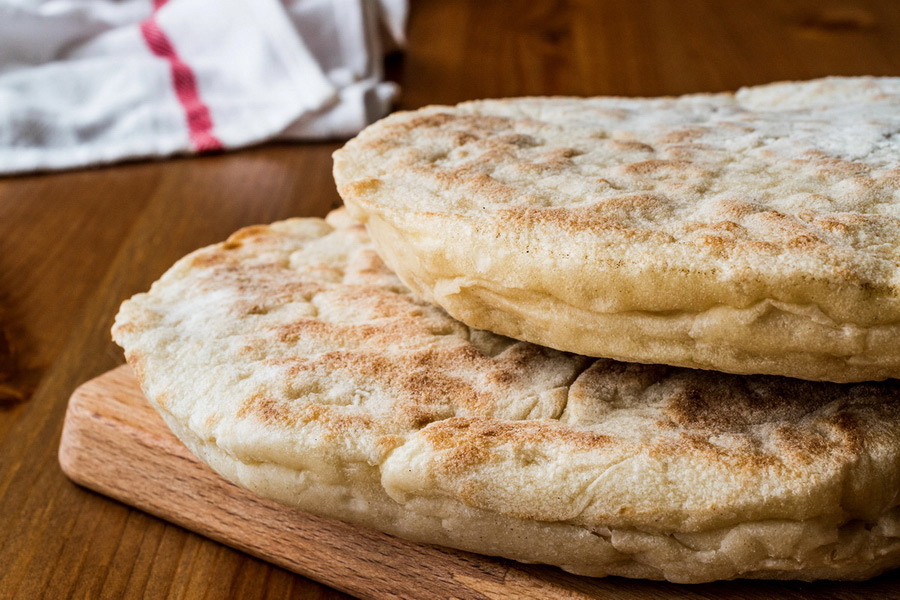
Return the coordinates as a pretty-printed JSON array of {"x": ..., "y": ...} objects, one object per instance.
[
  {"x": 754, "y": 232},
  {"x": 296, "y": 363}
]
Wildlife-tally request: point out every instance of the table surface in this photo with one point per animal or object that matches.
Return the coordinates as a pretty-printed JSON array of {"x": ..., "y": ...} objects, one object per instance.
[{"x": 73, "y": 245}]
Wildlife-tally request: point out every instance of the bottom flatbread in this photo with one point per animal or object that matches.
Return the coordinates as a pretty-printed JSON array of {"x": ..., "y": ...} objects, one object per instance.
[{"x": 293, "y": 362}]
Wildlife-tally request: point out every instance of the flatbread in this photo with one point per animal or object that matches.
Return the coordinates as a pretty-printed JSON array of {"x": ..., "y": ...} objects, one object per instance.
[
  {"x": 292, "y": 361},
  {"x": 756, "y": 232}
]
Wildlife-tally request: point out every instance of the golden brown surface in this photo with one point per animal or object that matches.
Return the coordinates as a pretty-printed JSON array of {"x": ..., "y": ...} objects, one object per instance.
[{"x": 73, "y": 245}]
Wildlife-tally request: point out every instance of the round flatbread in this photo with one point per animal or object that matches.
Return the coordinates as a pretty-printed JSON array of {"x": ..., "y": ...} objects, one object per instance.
[
  {"x": 756, "y": 232},
  {"x": 292, "y": 361}
]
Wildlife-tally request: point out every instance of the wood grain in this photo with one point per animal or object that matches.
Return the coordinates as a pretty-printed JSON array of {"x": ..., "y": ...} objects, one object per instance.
[
  {"x": 74, "y": 245},
  {"x": 115, "y": 443}
]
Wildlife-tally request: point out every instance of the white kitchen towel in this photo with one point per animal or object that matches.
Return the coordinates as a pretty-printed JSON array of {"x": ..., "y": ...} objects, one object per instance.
[{"x": 87, "y": 82}]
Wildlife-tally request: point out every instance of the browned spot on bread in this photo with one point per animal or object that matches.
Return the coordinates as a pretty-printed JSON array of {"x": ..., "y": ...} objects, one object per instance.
[
  {"x": 652, "y": 167},
  {"x": 461, "y": 138},
  {"x": 732, "y": 403},
  {"x": 805, "y": 241},
  {"x": 747, "y": 459},
  {"x": 632, "y": 202},
  {"x": 684, "y": 134},
  {"x": 492, "y": 188},
  {"x": 292, "y": 414},
  {"x": 725, "y": 226},
  {"x": 631, "y": 146},
  {"x": 253, "y": 231},
  {"x": 362, "y": 187},
  {"x": 803, "y": 445},
  {"x": 163, "y": 400},
  {"x": 713, "y": 244},
  {"x": 126, "y": 328},
  {"x": 389, "y": 331},
  {"x": 386, "y": 443},
  {"x": 832, "y": 166},
  {"x": 429, "y": 121},
  {"x": 553, "y": 160},
  {"x": 762, "y": 248},
  {"x": 468, "y": 442},
  {"x": 472, "y": 126},
  {"x": 890, "y": 179},
  {"x": 577, "y": 220},
  {"x": 835, "y": 226},
  {"x": 735, "y": 208},
  {"x": 519, "y": 140},
  {"x": 210, "y": 259},
  {"x": 685, "y": 153},
  {"x": 137, "y": 363}
]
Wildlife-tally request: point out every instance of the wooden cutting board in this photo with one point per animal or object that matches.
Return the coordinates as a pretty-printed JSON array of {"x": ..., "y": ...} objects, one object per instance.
[{"x": 114, "y": 443}]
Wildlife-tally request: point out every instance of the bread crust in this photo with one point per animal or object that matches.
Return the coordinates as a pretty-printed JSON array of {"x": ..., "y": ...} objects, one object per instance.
[
  {"x": 755, "y": 232},
  {"x": 291, "y": 360}
]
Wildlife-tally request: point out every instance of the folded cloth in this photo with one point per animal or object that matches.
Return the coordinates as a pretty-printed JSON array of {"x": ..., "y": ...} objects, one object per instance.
[{"x": 87, "y": 82}]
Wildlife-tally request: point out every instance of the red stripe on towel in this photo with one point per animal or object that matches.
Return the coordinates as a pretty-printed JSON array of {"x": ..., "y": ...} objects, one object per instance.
[{"x": 199, "y": 121}]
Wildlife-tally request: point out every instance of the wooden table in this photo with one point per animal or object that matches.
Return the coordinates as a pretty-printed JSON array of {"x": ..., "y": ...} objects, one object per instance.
[{"x": 73, "y": 245}]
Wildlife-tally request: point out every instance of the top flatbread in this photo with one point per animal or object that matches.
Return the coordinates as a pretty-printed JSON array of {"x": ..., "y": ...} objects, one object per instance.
[
  {"x": 292, "y": 361},
  {"x": 754, "y": 232}
]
